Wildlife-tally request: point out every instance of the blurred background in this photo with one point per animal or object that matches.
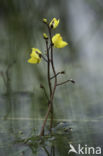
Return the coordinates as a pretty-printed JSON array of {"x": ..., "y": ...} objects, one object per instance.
[{"x": 22, "y": 102}]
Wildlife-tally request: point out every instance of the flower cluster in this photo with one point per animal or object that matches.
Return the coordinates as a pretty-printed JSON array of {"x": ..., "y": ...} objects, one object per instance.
[{"x": 57, "y": 41}]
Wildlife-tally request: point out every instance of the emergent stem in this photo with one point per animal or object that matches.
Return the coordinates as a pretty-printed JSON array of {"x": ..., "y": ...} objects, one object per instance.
[
  {"x": 55, "y": 83},
  {"x": 50, "y": 89},
  {"x": 62, "y": 72},
  {"x": 44, "y": 123},
  {"x": 48, "y": 70},
  {"x": 70, "y": 80}
]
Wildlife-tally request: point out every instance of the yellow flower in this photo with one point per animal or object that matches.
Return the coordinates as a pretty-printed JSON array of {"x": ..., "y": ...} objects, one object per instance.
[
  {"x": 58, "y": 41},
  {"x": 35, "y": 56},
  {"x": 54, "y": 23}
]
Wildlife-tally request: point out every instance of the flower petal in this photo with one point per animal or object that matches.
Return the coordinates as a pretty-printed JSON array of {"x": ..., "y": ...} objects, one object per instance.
[
  {"x": 35, "y": 57},
  {"x": 60, "y": 44},
  {"x": 32, "y": 60},
  {"x": 58, "y": 41}
]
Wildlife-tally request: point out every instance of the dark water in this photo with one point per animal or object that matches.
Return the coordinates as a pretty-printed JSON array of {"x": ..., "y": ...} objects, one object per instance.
[
  {"x": 22, "y": 140},
  {"x": 19, "y": 132}
]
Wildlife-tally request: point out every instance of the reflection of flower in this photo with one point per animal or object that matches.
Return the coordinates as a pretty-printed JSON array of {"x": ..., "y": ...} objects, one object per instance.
[
  {"x": 58, "y": 41},
  {"x": 35, "y": 56},
  {"x": 54, "y": 23}
]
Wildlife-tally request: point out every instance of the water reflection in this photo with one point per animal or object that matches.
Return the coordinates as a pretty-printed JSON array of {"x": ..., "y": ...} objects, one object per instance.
[{"x": 22, "y": 139}]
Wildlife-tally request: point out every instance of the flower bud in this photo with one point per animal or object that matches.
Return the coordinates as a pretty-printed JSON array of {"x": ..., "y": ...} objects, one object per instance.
[
  {"x": 63, "y": 72},
  {"x": 72, "y": 80},
  {"x": 45, "y": 20},
  {"x": 45, "y": 36}
]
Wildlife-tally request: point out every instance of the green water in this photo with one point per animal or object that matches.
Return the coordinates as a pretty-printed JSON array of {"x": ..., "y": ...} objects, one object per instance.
[
  {"x": 22, "y": 140},
  {"x": 20, "y": 128}
]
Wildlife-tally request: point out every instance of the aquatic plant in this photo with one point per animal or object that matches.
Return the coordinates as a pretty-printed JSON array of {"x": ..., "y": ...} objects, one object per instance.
[{"x": 36, "y": 56}]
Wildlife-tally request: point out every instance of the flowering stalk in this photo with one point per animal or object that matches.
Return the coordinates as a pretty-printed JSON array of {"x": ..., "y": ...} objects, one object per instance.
[
  {"x": 36, "y": 55},
  {"x": 55, "y": 83}
]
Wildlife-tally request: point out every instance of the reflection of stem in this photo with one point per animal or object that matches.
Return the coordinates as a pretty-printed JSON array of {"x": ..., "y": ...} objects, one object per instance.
[
  {"x": 52, "y": 151},
  {"x": 8, "y": 76},
  {"x": 46, "y": 151},
  {"x": 4, "y": 79},
  {"x": 5, "y": 76},
  {"x": 8, "y": 89}
]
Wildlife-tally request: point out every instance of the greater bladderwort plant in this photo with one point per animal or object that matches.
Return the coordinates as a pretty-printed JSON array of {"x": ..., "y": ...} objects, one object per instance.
[{"x": 35, "y": 57}]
